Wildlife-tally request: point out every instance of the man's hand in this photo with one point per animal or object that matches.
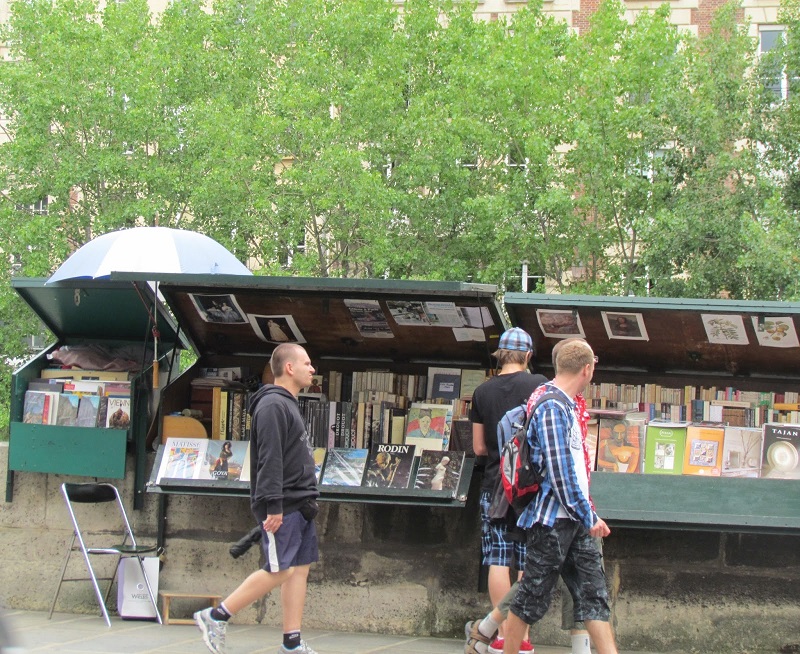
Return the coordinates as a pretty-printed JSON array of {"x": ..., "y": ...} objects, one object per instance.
[
  {"x": 600, "y": 529},
  {"x": 273, "y": 522}
]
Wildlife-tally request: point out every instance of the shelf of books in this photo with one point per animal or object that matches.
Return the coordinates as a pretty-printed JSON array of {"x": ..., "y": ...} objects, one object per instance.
[
  {"x": 396, "y": 362},
  {"x": 79, "y": 406},
  {"x": 694, "y": 407}
]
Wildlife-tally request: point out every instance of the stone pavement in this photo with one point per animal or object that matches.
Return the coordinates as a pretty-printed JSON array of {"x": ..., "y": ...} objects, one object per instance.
[{"x": 88, "y": 634}]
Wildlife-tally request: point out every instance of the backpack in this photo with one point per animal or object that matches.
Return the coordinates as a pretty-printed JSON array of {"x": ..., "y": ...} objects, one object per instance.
[{"x": 518, "y": 480}]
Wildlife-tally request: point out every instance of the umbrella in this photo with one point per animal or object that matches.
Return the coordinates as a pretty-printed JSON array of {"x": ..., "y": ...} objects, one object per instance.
[{"x": 149, "y": 249}]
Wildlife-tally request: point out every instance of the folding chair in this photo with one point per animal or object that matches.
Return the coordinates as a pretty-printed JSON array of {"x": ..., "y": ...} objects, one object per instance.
[{"x": 97, "y": 494}]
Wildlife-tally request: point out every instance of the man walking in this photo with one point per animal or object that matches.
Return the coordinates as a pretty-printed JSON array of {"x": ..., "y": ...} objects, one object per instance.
[
  {"x": 283, "y": 494},
  {"x": 561, "y": 522},
  {"x": 511, "y": 387}
]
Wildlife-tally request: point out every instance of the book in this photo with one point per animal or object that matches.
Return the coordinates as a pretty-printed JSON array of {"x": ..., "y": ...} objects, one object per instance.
[
  {"x": 389, "y": 466},
  {"x": 76, "y": 373},
  {"x": 204, "y": 459},
  {"x": 703, "y": 453},
  {"x": 344, "y": 467},
  {"x": 444, "y": 383},
  {"x": 223, "y": 460},
  {"x": 84, "y": 386},
  {"x": 619, "y": 436},
  {"x": 428, "y": 426},
  {"x": 665, "y": 443},
  {"x": 439, "y": 471},
  {"x": 470, "y": 380},
  {"x": 780, "y": 458},
  {"x": 88, "y": 408},
  {"x": 33, "y": 410},
  {"x": 182, "y": 458},
  {"x": 118, "y": 415},
  {"x": 461, "y": 437},
  {"x": 68, "y": 410},
  {"x": 319, "y": 461},
  {"x": 741, "y": 452}
]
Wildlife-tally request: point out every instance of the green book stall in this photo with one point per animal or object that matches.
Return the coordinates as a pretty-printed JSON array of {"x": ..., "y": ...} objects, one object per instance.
[
  {"x": 85, "y": 401},
  {"x": 698, "y": 387}
]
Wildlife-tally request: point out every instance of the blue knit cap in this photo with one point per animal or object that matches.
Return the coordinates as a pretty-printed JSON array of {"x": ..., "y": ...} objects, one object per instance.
[{"x": 516, "y": 339}]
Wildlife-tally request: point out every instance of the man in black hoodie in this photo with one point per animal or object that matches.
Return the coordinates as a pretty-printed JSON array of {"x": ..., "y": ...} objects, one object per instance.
[{"x": 283, "y": 492}]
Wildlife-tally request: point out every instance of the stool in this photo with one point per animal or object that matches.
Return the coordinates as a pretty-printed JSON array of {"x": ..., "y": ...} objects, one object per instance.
[{"x": 168, "y": 595}]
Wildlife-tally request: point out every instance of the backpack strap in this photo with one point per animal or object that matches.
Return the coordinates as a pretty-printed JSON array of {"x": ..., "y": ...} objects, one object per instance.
[{"x": 549, "y": 395}]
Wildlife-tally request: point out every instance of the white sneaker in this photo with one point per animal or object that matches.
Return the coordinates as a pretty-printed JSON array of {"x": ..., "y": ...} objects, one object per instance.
[
  {"x": 302, "y": 648},
  {"x": 213, "y": 631}
]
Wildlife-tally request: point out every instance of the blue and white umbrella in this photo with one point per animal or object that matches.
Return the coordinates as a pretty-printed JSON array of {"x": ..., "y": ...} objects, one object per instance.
[{"x": 149, "y": 249}]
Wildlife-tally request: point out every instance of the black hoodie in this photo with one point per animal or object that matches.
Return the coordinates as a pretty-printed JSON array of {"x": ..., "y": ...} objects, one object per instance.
[{"x": 282, "y": 473}]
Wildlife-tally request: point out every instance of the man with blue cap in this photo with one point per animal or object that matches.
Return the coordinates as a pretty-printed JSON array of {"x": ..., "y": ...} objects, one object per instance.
[{"x": 510, "y": 387}]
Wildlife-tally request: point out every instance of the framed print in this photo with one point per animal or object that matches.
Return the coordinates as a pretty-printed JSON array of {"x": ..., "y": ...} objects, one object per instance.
[
  {"x": 626, "y": 326},
  {"x": 560, "y": 323}
]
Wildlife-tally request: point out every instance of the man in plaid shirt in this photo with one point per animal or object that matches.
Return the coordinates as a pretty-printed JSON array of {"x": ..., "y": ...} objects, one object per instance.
[{"x": 561, "y": 521}]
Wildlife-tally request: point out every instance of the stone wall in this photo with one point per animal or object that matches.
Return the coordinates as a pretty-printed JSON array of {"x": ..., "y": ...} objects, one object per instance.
[{"x": 415, "y": 570}]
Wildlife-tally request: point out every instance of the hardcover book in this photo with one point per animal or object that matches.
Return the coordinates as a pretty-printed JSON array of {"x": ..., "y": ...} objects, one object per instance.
[
  {"x": 201, "y": 458},
  {"x": 389, "y": 466},
  {"x": 780, "y": 459},
  {"x": 619, "y": 437},
  {"x": 33, "y": 411},
  {"x": 703, "y": 454},
  {"x": 88, "y": 408},
  {"x": 67, "y": 410},
  {"x": 344, "y": 467},
  {"x": 428, "y": 426},
  {"x": 118, "y": 414},
  {"x": 444, "y": 384},
  {"x": 223, "y": 460},
  {"x": 319, "y": 461},
  {"x": 741, "y": 452},
  {"x": 664, "y": 447},
  {"x": 439, "y": 471}
]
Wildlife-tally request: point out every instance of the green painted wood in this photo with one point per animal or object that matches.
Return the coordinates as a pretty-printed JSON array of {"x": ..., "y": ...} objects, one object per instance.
[
  {"x": 700, "y": 503},
  {"x": 81, "y": 451}
]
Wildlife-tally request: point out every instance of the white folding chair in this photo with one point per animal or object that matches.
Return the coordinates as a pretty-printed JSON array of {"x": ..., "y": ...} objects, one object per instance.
[{"x": 99, "y": 494}]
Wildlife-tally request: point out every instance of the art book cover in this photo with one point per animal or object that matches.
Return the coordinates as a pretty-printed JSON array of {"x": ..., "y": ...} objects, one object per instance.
[
  {"x": 319, "y": 461},
  {"x": 439, "y": 471},
  {"x": 780, "y": 459},
  {"x": 68, "y": 410},
  {"x": 389, "y": 466},
  {"x": 223, "y": 460},
  {"x": 444, "y": 383},
  {"x": 88, "y": 408},
  {"x": 703, "y": 454},
  {"x": 119, "y": 413},
  {"x": 619, "y": 437},
  {"x": 741, "y": 452},
  {"x": 182, "y": 458},
  {"x": 344, "y": 467},
  {"x": 33, "y": 410},
  {"x": 428, "y": 426},
  {"x": 665, "y": 443}
]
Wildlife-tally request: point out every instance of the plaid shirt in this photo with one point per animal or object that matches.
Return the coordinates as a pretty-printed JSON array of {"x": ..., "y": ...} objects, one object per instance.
[{"x": 555, "y": 420}]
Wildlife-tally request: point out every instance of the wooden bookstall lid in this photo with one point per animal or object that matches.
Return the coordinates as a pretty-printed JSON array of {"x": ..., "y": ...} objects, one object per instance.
[
  {"x": 667, "y": 336},
  {"x": 371, "y": 322},
  {"x": 97, "y": 310}
]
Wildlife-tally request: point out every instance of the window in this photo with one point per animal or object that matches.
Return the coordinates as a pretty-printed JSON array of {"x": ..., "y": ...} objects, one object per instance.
[{"x": 774, "y": 76}]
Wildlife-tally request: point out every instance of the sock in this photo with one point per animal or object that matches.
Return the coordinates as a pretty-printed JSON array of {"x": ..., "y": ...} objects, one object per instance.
[
  {"x": 488, "y": 627},
  {"x": 580, "y": 644},
  {"x": 291, "y": 640},
  {"x": 220, "y": 613}
]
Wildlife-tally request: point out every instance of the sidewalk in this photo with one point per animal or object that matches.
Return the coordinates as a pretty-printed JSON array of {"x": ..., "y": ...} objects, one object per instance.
[{"x": 85, "y": 634}]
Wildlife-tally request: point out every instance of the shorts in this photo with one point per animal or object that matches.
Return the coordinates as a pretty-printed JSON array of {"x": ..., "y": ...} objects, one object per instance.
[
  {"x": 565, "y": 549},
  {"x": 568, "y": 621},
  {"x": 499, "y": 545},
  {"x": 295, "y": 543}
]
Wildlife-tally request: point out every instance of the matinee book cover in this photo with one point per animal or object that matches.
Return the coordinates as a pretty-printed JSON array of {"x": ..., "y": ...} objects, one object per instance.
[
  {"x": 389, "y": 466},
  {"x": 780, "y": 459},
  {"x": 741, "y": 452},
  {"x": 703, "y": 454},
  {"x": 344, "y": 467},
  {"x": 439, "y": 471},
  {"x": 665, "y": 443},
  {"x": 182, "y": 458}
]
